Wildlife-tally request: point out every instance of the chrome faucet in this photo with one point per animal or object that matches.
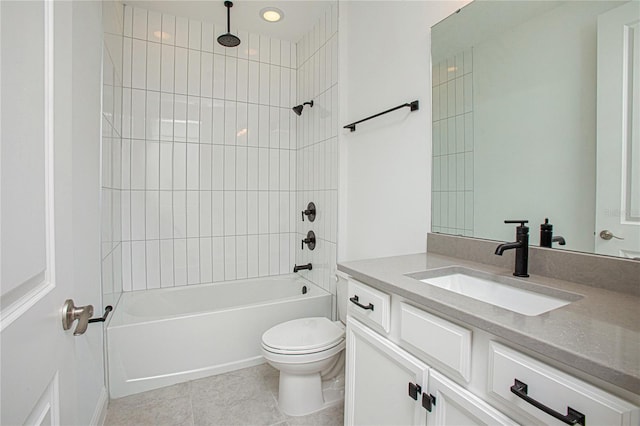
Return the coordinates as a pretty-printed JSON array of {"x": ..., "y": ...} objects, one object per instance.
[{"x": 522, "y": 248}]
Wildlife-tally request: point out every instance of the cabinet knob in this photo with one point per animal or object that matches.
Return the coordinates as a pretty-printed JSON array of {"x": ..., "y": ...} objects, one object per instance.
[
  {"x": 414, "y": 390},
  {"x": 428, "y": 401}
]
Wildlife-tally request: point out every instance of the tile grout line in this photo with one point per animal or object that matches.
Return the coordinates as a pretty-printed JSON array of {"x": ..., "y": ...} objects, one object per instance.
[
  {"x": 199, "y": 151},
  {"x": 146, "y": 112},
  {"x": 173, "y": 153},
  {"x": 159, "y": 161},
  {"x": 186, "y": 160}
]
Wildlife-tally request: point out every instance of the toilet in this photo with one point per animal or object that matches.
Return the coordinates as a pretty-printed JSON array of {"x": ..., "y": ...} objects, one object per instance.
[{"x": 307, "y": 351}]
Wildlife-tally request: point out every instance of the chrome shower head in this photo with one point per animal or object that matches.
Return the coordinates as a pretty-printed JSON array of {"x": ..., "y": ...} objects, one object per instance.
[{"x": 298, "y": 108}]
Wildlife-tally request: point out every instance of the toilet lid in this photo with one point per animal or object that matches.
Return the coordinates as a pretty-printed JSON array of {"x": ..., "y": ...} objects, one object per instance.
[{"x": 303, "y": 335}]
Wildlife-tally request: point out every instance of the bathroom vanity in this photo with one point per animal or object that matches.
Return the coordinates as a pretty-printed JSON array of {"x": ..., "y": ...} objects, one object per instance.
[
  {"x": 418, "y": 353},
  {"x": 518, "y": 131}
]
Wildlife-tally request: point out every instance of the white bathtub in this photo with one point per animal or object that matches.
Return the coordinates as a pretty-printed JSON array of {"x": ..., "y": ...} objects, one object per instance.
[{"x": 161, "y": 337}]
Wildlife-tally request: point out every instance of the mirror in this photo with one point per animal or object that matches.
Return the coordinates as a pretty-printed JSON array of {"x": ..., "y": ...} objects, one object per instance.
[{"x": 536, "y": 110}]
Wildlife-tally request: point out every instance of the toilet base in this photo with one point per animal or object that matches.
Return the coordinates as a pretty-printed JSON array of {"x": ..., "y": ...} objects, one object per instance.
[{"x": 300, "y": 395}]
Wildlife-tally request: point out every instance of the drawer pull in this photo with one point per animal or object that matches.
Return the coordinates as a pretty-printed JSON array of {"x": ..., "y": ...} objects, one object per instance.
[
  {"x": 355, "y": 299},
  {"x": 571, "y": 418}
]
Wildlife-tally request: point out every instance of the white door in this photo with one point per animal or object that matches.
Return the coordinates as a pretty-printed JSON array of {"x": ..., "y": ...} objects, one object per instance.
[
  {"x": 49, "y": 218},
  {"x": 378, "y": 379},
  {"x": 618, "y": 132},
  {"x": 454, "y": 405}
]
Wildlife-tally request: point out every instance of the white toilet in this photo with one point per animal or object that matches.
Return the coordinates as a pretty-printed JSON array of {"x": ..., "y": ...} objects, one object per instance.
[{"x": 306, "y": 351}]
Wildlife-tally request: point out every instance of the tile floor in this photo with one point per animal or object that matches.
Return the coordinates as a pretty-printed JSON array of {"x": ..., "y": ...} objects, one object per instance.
[{"x": 242, "y": 397}]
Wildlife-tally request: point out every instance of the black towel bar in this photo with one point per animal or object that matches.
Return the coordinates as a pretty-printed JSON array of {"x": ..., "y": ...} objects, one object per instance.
[{"x": 413, "y": 105}]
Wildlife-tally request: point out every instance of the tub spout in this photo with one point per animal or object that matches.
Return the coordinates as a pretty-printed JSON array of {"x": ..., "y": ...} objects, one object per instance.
[{"x": 297, "y": 268}]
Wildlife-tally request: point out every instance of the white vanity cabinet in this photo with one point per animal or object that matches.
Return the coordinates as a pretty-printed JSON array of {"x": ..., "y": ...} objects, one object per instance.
[
  {"x": 406, "y": 366},
  {"x": 378, "y": 378},
  {"x": 387, "y": 385}
]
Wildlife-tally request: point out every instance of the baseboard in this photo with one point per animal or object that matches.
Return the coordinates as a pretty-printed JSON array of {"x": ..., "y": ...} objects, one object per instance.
[{"x": 100, "y": 413}]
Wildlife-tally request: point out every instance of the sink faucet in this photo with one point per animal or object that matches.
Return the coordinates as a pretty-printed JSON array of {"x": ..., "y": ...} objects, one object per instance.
[{"x": 522, "y": 248}]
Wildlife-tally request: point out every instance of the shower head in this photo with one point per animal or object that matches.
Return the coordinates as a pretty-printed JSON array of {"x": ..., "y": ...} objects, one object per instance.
[
  {"x": 298, "y": 108},
  {"x": 228, "y": 39}
]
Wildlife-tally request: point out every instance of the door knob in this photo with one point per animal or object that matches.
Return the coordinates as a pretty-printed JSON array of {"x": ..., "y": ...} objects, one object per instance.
[
  {"x": 70, "y": 313},
  {"x": 607, "y": 235}
]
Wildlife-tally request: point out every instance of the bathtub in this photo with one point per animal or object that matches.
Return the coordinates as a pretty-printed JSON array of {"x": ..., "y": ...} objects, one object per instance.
[{"x": 165, "y": 336}]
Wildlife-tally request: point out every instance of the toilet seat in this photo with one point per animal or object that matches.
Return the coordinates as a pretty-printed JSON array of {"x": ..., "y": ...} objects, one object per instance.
[{"x": 303, "y": 336}]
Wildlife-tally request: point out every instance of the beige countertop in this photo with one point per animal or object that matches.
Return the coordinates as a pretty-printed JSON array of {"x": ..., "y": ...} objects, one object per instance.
[{"x": 598, "y": 334}]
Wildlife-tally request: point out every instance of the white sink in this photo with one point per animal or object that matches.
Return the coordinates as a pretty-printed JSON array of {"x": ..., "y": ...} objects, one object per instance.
[{"x": 486, "y": 288}]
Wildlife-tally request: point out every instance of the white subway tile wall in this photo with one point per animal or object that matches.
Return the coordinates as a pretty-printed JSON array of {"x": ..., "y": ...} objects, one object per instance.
[
  {"x": 316, "y": 155},
  {"x": 112, "y": 161},
  {"x": 452, "y": 184},
  {"x": 209, "y": 153}
]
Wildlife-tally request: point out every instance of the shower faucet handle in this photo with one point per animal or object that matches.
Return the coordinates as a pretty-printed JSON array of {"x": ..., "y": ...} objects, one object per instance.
[
  {"x": 310, "y": 241},
  {"x": 310, "y": 212}
]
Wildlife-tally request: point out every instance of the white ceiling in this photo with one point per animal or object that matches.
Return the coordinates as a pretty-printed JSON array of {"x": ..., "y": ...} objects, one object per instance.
[{"x": 300, "y": 16}]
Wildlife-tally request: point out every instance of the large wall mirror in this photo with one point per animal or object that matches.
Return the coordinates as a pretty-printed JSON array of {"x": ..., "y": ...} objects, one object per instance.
[{"x": 536, "y": 115}]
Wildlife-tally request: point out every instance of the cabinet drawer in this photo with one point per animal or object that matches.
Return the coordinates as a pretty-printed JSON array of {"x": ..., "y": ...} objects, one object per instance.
[
  {"x": 369, "y": 305},
  {"x": 439, "y": 339},
  {"x": 553, "y": 391}
]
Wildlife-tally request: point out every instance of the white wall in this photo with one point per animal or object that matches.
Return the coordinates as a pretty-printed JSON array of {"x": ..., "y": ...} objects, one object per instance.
[
  {"x": 209, "y": 154},
  {"x": 385, "y": 166}
]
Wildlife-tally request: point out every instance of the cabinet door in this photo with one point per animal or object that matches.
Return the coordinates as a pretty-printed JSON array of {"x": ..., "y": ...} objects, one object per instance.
[
  {"x": 454, "y": 405},
  {"x": 378, "y": 379}
]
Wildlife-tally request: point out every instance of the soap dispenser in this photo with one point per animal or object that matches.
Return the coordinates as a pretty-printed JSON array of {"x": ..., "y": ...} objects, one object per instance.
[{"x": 546, "y": 233}]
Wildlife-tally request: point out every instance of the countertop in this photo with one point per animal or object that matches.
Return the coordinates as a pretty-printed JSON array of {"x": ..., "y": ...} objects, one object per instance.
[{"x": 598, "y": 334}]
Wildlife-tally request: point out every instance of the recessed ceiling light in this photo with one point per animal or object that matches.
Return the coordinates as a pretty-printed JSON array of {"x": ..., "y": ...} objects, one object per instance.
[{"x": 271, "y": 14}]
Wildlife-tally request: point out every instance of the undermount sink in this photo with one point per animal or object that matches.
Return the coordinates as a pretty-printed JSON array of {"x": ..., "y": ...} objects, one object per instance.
[{"x": 513, "y": 294}]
